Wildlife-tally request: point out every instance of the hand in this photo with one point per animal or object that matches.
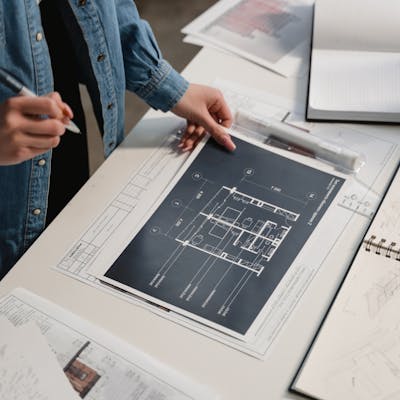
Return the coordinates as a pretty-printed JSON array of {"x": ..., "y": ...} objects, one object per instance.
[
  {"x": 24, "y": 135},
  {"x": 205, "y": 109}
]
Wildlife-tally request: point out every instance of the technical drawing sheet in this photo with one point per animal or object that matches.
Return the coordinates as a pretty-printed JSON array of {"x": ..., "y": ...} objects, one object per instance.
[
  {"x": 356, "y": 354},
  {"x": 98, "y": 365},
  {"x": 113, "y": 228},
  {"x": 28, "y": 368},
  {"x": 225, "y": 235},
  {"x": 273, "y": 33},
  {"x": 380, "y": 146},
  {"x": 140, "y": 192}
]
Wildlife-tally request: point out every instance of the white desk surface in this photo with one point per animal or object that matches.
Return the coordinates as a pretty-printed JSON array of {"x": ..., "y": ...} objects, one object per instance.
[{"x": 230, "y": 373}]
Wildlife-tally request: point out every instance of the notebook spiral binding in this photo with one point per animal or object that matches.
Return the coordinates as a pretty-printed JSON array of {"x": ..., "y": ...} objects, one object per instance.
[{"x": 382, "y": 247}]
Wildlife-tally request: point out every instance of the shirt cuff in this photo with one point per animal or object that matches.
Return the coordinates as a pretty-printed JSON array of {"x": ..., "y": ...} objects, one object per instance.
[{"x": 165, "y": 88}]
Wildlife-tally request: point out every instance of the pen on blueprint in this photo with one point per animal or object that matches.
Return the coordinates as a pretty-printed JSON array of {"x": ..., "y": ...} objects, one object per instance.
[
  {"x": 345, "y": 158},
  {"x": 19, "y": 89}
]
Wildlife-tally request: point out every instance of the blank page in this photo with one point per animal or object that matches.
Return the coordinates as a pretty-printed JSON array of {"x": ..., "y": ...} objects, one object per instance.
[
  {"x": 364, "y": 25},
  {"x": 355, "y": 81}
]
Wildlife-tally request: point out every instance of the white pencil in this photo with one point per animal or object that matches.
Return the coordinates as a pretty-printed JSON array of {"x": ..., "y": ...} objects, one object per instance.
[
  {"x": 330, "y": 152},
  {"x": 19, "y": 89}
]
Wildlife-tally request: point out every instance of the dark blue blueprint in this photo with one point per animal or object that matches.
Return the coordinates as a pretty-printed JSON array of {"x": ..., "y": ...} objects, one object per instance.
[{"x": 226, "y": 234}]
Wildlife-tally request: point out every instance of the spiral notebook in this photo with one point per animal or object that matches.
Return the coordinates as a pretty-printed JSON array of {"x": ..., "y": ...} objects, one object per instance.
[{"x": 356, "y": 353}]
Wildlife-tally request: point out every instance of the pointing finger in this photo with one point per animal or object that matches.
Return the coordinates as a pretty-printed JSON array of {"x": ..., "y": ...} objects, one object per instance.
[{"x": 219, "y": 133}]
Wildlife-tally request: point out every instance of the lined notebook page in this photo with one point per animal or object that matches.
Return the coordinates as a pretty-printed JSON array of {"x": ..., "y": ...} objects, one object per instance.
[
  {"x": 346, "y": 84},
  {"x": 355, "y": 61}
]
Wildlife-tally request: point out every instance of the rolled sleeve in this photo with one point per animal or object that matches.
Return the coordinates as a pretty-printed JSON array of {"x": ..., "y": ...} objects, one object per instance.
[
  {"x": 164, "y": 88},
  {"x": 147, "y": 74}
]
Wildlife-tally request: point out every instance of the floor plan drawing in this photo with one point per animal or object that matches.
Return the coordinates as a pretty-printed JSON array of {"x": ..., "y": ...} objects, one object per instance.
[
  {"x": 226, "y": 234},
  {"x": 226, "y": 228},
  {"x": 249, "y": 16},
  {"x": 99, "y": 366},
  {"x": 270, "y": 29},
  {"x": 272, "y": 33}
]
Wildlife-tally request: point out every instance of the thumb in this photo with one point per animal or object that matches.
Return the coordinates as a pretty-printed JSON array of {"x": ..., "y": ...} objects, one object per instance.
[{"x": 218, "y": 132}]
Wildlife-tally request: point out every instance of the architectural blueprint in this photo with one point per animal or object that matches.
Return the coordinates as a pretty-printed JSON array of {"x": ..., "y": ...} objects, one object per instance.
[
  {"x": 225, "y": 235},
  {"x": 98, "y": 365},
  {"x": 158, "y": 168},
  {"x": 28, "y": 367},
  {"x": 272, "y": 33},
  {"x": 377, "y": 147},
  {"x": 104, "y": 238}
]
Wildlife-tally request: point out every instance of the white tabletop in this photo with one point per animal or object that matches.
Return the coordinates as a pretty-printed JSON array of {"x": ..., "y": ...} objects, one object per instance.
[{"x": 229, "y": 372}]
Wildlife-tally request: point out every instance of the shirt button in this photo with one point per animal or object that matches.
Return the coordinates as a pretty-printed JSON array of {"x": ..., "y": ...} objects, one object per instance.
[
  {"x": 101, "y": 57},
  {"x": 110, "y": 106},
  {"x": 82, "y": 3},
  {"x": 111, "y": 144},
  {"x": 36, "y": 211},
  {"x": 39, "y": 36},
  {"x": 42, "y": 162}
]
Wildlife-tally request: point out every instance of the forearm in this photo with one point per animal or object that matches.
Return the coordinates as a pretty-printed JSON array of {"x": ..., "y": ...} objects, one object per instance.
[{"x": 147, "y": 74}]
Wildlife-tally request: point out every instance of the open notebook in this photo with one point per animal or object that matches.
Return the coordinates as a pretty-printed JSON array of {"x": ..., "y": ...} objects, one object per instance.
[
  {"x": 355, "y": 61},
  {"x": 356, "y": 354}
]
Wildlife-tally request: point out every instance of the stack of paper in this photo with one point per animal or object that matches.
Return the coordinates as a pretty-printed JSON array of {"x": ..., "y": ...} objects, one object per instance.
[
  {"x": 272, "y": 33},
  {"x": 216, "y": 271},
  {"x": 83, "y": 359},
  {"x": 28, "y": 368}
]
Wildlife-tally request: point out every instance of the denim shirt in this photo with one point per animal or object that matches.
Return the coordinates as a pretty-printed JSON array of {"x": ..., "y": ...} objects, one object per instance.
[{"x": 123, "y": 54}]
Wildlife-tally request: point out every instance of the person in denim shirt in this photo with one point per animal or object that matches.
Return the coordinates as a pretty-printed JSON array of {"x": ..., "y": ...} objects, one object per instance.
[{"x": 52, "y": 47}]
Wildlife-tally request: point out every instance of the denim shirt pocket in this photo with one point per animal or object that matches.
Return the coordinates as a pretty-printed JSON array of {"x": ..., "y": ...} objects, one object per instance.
[{"x": 2, "y": 30}]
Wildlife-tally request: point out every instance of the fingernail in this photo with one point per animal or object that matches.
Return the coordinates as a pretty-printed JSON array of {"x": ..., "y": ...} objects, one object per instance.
[{"x": 229, "y": 144}]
